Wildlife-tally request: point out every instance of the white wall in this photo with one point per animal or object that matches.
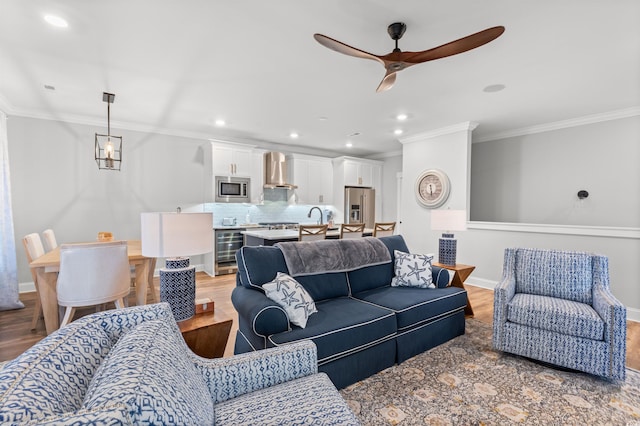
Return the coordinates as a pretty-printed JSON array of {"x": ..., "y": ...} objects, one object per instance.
[
  {"x": 390, "y": 169},
  {"x": 56, "y": 182},
  {"x": 447, "y": 150}
]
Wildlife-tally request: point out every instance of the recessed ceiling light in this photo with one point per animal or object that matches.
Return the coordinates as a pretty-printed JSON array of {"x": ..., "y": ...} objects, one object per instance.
[
  {"x": 348, "y": 144},
  {"x": 354, "y": 134},
  {"x": 397, "y": 132},
  {"x": 49, "y": 87},
  {"x": 323, "y": 118},
  {"x": 401, "y": 117},
  {"x": 220, "y": 123},
  {"x": 293, "y": 135},
  {"x": 492, "y": 88},
  {"x": 56, "y": 21}
]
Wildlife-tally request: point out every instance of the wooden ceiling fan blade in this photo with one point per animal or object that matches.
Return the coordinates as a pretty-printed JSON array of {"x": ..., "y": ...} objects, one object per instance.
[
  {"x": 453, "y": 48},
  {"x": 345, "y": 49},
  {"x": 387, "y": 82}
]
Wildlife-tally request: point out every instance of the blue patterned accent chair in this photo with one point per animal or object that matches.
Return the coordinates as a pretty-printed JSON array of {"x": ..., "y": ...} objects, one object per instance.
[
  {"x": 132, "y": 366},
  {"x": 556, "y": 307}
]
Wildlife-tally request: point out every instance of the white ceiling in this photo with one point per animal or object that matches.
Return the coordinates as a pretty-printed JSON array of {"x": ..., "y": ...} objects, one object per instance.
[{"x": 177, "y": 66}]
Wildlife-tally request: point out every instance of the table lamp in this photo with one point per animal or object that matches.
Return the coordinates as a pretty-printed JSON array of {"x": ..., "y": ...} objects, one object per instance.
[
  {"x": 448, "y": 221},
  {"x": 175, "y": 236}
]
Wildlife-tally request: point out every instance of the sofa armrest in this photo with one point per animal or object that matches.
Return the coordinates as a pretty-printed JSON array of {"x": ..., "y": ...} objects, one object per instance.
[
  {"x": 240, "y": 374},
  {"x": 440, "y": 276},
  {"x": 264, "y": 315},
  {"x": 614, "y": 314},
  {"x": 502, "y": 294}
]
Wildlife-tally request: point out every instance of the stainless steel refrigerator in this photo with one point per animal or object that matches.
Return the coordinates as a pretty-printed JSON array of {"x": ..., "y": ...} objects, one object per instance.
[{"x": 360, "y": 206}]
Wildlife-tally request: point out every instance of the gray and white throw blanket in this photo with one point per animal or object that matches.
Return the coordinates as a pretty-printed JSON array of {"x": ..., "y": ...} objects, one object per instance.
[{"x": 317, "y": 257}]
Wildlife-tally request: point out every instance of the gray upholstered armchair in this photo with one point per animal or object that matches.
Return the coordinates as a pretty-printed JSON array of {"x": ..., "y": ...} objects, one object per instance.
[{"x": 556, "y": 307}]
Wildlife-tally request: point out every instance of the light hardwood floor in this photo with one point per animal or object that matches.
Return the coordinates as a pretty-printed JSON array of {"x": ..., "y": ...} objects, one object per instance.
[{"x": 15, "y": 336}]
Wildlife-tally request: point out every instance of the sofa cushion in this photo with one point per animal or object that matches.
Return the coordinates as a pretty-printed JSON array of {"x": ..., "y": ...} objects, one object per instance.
[
  {"x": 553, "y": 314},
  {"x": 412, "y": 270},
  {"x": 414, "y": 306},
  {"x": 380, "y": 275},
  {"x": 258, "y": 265},
  {"x": 150, "y": 370},
  {"x": 112, "y": 415},
  {"x": 292, "y": 297},
  {"x": 341, "y": 326},
  {"x": 565, "y": 275},
  {"x": 311, "y": 400},
  {"x": 51, "y": 377}
]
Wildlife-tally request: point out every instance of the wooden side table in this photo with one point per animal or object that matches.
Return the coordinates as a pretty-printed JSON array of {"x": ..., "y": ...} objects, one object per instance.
[
  {"x": 461, "y": 273},
  {"x": 207, "y": 333}
]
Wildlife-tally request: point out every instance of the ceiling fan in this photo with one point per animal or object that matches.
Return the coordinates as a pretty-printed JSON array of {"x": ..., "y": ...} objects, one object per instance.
[{"x": 399, "y": 60}]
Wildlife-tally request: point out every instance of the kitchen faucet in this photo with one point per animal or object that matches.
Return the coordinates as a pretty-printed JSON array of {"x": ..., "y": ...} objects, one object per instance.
[{"x": 319, "y": 211}]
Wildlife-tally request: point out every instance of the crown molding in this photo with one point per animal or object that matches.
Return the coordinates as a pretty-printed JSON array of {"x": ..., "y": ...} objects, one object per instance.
[
  {"x": 563, "y": 124},
  {"x": 382, "y": 155},
  {"x": 461, "y": 127}
]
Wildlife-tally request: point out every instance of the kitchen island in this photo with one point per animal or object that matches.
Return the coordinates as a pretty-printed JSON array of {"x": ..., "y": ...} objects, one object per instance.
[{"x": 272, "y": 236}]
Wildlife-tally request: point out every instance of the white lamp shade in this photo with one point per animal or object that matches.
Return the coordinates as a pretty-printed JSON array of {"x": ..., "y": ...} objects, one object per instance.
[
  {"x": 176, "y": 234},
  {"x": 448, "y": 220}
]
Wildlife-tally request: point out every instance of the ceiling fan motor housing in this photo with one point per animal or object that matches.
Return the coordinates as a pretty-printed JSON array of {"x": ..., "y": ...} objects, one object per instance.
[{"x": 396, "y": 30}]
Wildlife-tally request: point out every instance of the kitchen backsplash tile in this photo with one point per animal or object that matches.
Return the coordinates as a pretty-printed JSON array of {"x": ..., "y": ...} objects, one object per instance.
[{"x": 267, "y": 212}]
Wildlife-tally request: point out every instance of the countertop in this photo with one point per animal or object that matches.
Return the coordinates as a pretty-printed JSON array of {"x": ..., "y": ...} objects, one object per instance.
[
  {"x": 240, "y": 226},
  {"x": 282, "y": 234}
]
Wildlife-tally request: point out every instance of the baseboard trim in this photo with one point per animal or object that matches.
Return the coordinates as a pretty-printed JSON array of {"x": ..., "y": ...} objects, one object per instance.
[
  {"x": 481, "y": 282},
  {"x": 27, "y": 287}
]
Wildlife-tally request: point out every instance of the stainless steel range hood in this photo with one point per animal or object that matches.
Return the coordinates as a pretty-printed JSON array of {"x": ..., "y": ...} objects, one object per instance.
[{"x": 275, "y": 171}]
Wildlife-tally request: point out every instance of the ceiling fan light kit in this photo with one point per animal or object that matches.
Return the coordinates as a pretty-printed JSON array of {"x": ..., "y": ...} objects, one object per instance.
[{"x": 398, "y": 60}]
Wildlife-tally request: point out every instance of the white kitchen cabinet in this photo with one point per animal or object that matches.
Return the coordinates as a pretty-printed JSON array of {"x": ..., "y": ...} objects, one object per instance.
[
  {"x": 257, "y": 176},
  {"x": 314, "y": 178},
  {"x": 358, "y": 173},
  {"x": 231, "y": 160}
]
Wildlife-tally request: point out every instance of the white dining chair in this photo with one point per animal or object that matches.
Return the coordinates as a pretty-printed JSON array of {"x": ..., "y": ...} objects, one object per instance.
[
  {"x": 351, "y": 230},
  {"x": 312, "y": 232},
  {"x": 92, "y": 274},
  {"x": 49, "y": 240},
  {"x": 383, "y": 229},
  {"x": 34, "y": 249}
]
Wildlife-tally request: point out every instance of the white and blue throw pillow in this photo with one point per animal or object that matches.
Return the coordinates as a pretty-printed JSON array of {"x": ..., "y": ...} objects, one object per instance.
[
  {"x": 292, "y": 297},
  {"x": 412, "y": 270}
]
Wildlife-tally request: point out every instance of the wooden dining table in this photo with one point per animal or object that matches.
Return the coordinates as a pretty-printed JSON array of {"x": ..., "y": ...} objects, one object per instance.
[{"x": 47, "y": 267}]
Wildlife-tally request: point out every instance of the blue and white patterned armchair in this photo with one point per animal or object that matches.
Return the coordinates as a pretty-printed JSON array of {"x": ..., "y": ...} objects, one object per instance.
[
  {"x": 556, "y": 307},
  {"x": 132, "y": 366}
]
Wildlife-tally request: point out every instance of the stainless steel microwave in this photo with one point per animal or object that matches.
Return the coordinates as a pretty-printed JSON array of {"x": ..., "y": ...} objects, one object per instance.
[{"x": 231, "y": 189}]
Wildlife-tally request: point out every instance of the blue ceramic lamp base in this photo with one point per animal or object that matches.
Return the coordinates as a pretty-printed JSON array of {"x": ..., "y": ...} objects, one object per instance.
[
  {"x": 447, "y": 250},
  {"x": 178, "y": 287}
]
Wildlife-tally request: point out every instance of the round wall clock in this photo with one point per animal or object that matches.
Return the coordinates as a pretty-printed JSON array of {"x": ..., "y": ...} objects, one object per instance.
[{"x": 432, "y": 188}]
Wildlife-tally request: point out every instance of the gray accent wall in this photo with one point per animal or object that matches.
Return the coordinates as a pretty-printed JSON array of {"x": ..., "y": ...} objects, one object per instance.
[
  {"x": 523, "y": 193},
  {"x": 513, "y": 164},
  {"x": 535, "y": 178}
]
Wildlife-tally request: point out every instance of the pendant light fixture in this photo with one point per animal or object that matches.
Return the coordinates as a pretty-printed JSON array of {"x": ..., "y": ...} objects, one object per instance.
[{"x": 108, "y": 147}]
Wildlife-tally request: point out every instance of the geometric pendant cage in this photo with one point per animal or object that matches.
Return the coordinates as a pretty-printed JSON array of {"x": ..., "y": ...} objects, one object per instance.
[{"x": 108, "y": 148}]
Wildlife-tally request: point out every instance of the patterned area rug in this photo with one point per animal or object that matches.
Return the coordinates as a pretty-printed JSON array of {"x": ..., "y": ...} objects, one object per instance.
[{"x": 466, "y": 382}]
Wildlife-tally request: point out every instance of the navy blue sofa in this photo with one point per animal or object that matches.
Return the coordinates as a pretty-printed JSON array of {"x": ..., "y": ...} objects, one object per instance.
[{"x": 363, "y": 325}]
